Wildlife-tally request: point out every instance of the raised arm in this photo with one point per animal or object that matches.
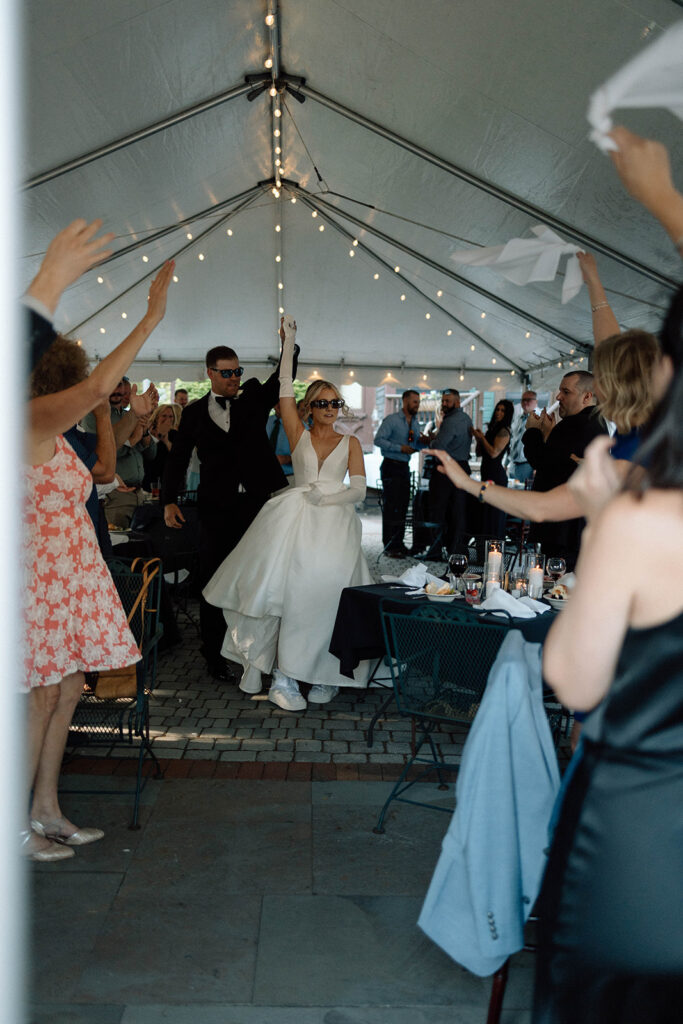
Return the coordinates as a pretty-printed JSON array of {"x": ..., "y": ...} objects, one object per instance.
[
  {"x": 290, "y": 417},
  {"x": 605, "y": 323},
  {"x": 105, "y": 448},
  {"x": 53, "y": 414},
  {"x": 645, "y": 171},
  {"x": 70, "y": 253}
]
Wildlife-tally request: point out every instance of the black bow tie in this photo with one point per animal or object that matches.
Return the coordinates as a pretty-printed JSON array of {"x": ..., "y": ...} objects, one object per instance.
[{"x": 222, "y": 401}]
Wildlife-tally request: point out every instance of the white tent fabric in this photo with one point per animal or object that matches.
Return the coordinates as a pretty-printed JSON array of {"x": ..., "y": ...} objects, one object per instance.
[{"x": 489, "y": 103}]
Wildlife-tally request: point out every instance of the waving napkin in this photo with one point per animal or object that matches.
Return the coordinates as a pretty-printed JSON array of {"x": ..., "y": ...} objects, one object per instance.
[
  {"x": 518, "y": 607},
  {"x": 654, "y": 78},
  {"x": 523, "y": 260}
]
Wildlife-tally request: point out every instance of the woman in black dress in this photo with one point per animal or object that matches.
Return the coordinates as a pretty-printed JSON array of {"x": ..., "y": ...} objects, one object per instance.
[
  {"x": 611, "y": 921},
  {"x": 492, "y": 447}
]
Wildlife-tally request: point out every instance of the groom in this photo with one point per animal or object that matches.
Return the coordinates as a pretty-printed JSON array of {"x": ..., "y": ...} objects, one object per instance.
[{"x": 238, "y": 473}]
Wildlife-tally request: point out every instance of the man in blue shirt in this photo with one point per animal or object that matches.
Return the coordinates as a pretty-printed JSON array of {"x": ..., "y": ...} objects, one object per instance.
[
  {"x": 278, "y": 441},
  {"x": 446, "y": 503},
  {"x": 397, "y": 438}
]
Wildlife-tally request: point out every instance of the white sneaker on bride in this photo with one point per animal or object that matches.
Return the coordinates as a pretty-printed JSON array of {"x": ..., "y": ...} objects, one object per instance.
[
  {"x": 285, "y": 693},
  {"x": 321, "y": 693}
]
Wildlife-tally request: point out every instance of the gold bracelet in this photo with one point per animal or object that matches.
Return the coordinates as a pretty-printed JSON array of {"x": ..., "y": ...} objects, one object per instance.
[{"x": 599, "y": 305}]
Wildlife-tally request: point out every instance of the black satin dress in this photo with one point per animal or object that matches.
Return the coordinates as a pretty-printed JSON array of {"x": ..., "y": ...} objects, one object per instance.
[
  {"x": 492, "y": 519},
  {"x": 611, "y": 906}
]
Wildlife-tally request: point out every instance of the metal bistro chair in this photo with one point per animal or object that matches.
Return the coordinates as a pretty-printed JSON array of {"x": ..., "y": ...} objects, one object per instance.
[
  {"x": 126, "y": 719},
  {"x": 439, "y": 660}
]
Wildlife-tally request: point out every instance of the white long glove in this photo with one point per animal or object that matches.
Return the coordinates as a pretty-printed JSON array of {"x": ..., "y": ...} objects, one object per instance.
[
  {"x": 350, "y": 495},
  {"x": 287, "y": 358}
]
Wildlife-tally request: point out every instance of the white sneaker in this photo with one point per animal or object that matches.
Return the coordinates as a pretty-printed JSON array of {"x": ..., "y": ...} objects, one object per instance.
[
  {"x": 251, "y": 680},
  {"x": 322, "y": 693},
  {"x": 285, "y": 692}
]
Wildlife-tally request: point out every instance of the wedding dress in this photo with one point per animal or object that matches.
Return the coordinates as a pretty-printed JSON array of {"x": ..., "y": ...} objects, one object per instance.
[{"x": 279, "y": 588}]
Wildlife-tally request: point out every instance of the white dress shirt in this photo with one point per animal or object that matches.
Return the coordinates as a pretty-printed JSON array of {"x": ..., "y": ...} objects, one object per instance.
[{"x": 221, "y": 417}]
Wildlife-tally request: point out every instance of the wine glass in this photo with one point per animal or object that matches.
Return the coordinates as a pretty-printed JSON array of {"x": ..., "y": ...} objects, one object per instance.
[
  {"x": 556, "y": 567},
  {"x": 457, "y": 565}
]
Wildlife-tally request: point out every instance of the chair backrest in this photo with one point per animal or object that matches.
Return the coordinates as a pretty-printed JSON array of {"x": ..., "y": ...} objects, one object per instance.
[
  {"x": 132, "y": 578},
  {"x": 440, "y": 659}
]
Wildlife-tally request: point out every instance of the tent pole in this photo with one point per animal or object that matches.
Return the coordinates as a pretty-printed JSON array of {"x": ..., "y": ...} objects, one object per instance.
[
  {"x": 371, "y": 229},
  {"x": 154, "y": 270},
  {"x": 593, "y": 244},
  {"x": 142, "y": 133},
  {"x": 306, "y": 199}
]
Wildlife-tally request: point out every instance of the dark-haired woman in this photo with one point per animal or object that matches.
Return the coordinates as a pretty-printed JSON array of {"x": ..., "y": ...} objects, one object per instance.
[{"x": 492, "y": 447}]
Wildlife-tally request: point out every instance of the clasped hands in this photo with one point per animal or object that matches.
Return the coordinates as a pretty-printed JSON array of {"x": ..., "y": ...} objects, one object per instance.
[{"x": 542, "y": 422}]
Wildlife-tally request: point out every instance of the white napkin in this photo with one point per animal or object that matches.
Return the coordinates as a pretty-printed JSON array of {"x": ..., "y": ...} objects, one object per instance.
[
  {"x": 523, "y": 260},
  {"x": 654, "y": 78},
  {"x": 568, "y": 580},
  {"x": 501, "y": 601},
  {"x": 536, "y": 606}
]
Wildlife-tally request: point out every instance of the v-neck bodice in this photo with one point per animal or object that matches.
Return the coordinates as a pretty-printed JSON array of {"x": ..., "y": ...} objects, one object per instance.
[{"x": 308, "y": 469}]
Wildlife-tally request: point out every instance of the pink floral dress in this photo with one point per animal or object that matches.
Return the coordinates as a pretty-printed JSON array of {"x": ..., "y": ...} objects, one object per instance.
[{"x": 74, "y": 617}]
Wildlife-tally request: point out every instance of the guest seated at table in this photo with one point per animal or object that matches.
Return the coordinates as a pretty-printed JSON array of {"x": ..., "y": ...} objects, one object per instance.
[
  {"x": 74, "y": 619},
  {"x": 163, "y": 424},
  {"x": 492, "y": 446}
]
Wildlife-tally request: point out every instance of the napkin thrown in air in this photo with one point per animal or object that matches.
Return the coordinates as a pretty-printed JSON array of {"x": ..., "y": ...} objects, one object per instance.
[
  {"x": 523, "y": 260},
  {"x": 654, "y": 78}
]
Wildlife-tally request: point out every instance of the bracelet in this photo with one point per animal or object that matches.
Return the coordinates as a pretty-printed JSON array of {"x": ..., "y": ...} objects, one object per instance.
[
  {"x": 480, "y": 496},
  {"x": 599, "y": 305}
]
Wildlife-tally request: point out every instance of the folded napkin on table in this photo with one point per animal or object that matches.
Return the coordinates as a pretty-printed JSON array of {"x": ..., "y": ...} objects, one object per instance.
[
  {"x": 417, "y": 576},
  {"x": 536, "y": 606},
  {"x": 654, "y": 78},
  {"x": 523, "y": 260},
  {"x": 518, "y": 607}
]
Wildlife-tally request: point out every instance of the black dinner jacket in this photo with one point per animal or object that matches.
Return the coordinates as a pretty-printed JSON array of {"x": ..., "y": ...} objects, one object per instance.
[{"x": 243, "y": 455}]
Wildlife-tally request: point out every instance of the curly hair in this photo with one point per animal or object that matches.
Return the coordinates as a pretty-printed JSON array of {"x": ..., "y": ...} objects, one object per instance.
[
  {"x": 623, "y": 366},
  {"x": 64, "y": 364},
  {"x": 312, "y": 393}
]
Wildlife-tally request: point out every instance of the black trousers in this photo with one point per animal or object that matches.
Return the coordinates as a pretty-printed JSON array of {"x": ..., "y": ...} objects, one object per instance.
[
  {"x": 448, "y": 507},
  {"x": 220, "y": 531},
  {"x": 396, "y": 488}
]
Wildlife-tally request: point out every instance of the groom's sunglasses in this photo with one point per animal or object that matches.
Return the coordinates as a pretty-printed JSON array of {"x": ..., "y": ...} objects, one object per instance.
[
  {"x": 322, "y": 403},
  {"x": 227, "y": 374}
]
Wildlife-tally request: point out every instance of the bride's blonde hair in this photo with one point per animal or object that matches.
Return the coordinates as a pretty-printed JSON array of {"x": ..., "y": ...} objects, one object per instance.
[{"x": 314, "y": 391}]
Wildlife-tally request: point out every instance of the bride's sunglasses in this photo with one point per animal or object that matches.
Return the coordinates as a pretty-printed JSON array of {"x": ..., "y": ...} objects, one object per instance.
[
  {"x": 227, "y": 374},
  {"x": 323, "y": 403}
]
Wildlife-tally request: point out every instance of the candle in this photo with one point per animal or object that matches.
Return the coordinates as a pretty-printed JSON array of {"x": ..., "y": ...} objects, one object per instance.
[
  {"x": 495, "y": 561},
  {"x": 536, "y": 582}
]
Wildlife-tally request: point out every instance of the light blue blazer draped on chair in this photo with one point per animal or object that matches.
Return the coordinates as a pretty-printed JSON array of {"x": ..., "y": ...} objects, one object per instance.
[{"x": 492, "y": 860}]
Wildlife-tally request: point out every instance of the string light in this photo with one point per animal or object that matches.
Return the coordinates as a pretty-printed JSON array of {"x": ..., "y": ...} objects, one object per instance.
[
  {"x": 559, "y": 366},
  {"x": 571, "y": 351},
  {"x": 528, "y": 334},
  {"x": 282, "y": 309},
  {"x": 280, "y": 285},
  {"x": 355, "y": 241},
  {"x": 276, "y": 133},
  {"x": 270, "y": 20},
  {"x": 278, "y": 150},
  {"x": 229, "y": 232},
  {"x": 277, "y": 112},
  {"x": 124, "y": 316},
  {"x": 278, "y": 258},
  {"x": 428, "y": 316},
  {"x": 189, "y": 236},
  {"x": 449, "y": 332},
  {"x": 200, "y": 256},
  {"x": 424, "y": 376},
  {"x": 175, "y": 278},
  {"x": 493, "y": 361},
  {"x": 268, "y": 63},
  {"x": 321, "y": 228},
  {"x": 483, "y": 316},
  {"x": 351, "y": 373},
  {"x": 276, "y": 192},
  {"x": 100, "y": 280},
  {"x": 376, "y": 277},
  {"x": 79, "y": 342},
  {"x": 314, "y": 213},
  {"x": 472, "y": 348},
  {"x": 497, "y": 380},
  {"x": 272, "y": 91},
  {"x": 512, "y": 373},
  {"x": 277, "y": 227},
  {"x": 403, "y": 298},
  {"x": 293, "y": 199},
  {"x": 277, "y": 161},
  {"x": 352, "y": 252},
  {"x": 396, "y": 270},
  {"x": 102, "y": 330},
  {"x": 439, "y": 294},
  {"x": 145, "y": 259},
  {"x": 462, "y": 376}
]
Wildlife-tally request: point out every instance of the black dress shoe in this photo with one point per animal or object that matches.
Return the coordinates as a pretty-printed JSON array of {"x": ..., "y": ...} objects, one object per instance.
[{"x": 220, "y": 670}]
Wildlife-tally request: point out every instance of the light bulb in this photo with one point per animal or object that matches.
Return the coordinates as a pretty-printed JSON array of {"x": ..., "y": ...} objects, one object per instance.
[
  {"x": 102, "y": 330},
  {"x": 79, "y": 342},
  {"x": 559, "y": 366},
  {"x": 277, "y": 161},
  {"x": 145, "y": 259},
  {"x": 276, "y": 133},
  {"x": 493, "y": 361},
  {"x": 272, "y": 91},
  {"x": 351, "y": 373},
  {"x": 175, "y": 278},
  {"x": 424, "y": 376},
  {"x": 278, "y": 259},
  {"x": 124, "y": 316},
  {"x": 189, "y": 236},
  {"x": 449, "y": 332},
  {"x": 277, "y": 227},
  {"x": 439, "y": 294},
  {"x": 293, "y": 199},
  {"x": 376, "y": 277},
  {"x": 528, "y": 334},
  {"x": 280, "y": 285},
  {"x": 512, "y": 373},
  {"x": 472, "y": 347},
  {"x": 403, "y": 298},
  {"x": 200, "y": 256},
  {"x": 278, "y": 150},
  {"x": 352, "y": 252},
  {"x": 314, "y": 213},
  {"x": 276, "y": 192},
  {"x": 100, "y": 280},
  {"x": 277, "y": 112},
  {"x": 268, "y": 63},
  {"x": 321, "y": 228},
  {"x": 229, "y": 232},
  {"x": 428, "y": 316},
  {"x": 571, "y": 351},
  {"x": 497, "y": 380},
  {"x": 355, "y": 241},
  {"x": 396, "y": 270},
  {"x": 270, "y": 20},
  {"x": 462, "y": 376},
  {"x": 483, "y": 316},
  {"x": 278, "y": 183}
]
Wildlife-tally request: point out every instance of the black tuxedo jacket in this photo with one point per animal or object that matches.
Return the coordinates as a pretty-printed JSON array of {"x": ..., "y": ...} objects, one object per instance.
[{"x": 243, "y": 455}]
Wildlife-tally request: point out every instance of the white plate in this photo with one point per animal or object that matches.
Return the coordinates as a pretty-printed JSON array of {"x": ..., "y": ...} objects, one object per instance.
[
  {"x": 556, "y": 602},
  {"x": 446, "y": 598}
]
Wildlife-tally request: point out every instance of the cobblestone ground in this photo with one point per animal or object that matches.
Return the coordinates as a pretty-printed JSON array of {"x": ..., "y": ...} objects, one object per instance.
[{"x": 194, "y": 718}]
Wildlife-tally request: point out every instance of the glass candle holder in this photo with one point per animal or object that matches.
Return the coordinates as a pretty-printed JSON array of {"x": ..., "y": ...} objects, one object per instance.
[
  {"x": 494, "y": 565},
  {"x": 535, "y": 577}
]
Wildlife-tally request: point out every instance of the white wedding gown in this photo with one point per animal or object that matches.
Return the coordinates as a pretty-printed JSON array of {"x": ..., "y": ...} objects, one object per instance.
[{"x": 280, "y": 586}]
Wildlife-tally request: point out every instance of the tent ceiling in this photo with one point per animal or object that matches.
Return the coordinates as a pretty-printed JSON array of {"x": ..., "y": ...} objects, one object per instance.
[{"x": 496, "y": 89}]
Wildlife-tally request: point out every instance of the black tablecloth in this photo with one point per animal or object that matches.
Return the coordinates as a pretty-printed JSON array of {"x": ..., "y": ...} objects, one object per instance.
[{"x": 357, "y": 634}]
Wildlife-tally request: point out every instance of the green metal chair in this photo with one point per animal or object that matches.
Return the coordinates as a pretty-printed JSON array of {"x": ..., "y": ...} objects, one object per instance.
[
  {"x": 439, "y": 658},
  {"x": 115, "y": 720}
]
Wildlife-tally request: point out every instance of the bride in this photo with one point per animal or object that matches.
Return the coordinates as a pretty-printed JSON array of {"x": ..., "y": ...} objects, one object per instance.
[{"x": 279, "y": 588}]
